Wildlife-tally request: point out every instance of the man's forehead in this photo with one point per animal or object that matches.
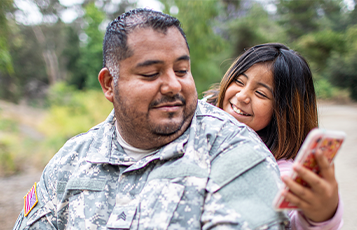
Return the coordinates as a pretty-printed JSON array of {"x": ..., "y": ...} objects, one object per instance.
[
  {"x": 147, "y": 43},
  {"x": 148, "y": 34}
]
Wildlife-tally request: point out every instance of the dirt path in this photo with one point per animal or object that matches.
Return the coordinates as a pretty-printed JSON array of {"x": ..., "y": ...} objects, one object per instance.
[
  {"x": 344, "y": 117},
  {"x": 338, "y": 117},
  {"x": 13, "y": 189}
]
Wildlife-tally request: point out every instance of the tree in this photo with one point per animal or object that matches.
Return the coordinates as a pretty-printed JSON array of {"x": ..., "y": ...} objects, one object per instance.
[
  {"x": 39, "y": 55},
  {"x": 352, "y": 17},
  {"x": 6, "y": 67},
  {"x": 91, "y": 52},
  {"x": 342, "y": 69},
  {"x": 207, "y": 47},
  {"x": 256, "y": 26},
  {"x": 332, "y": 15},
  {"x": 317, "y": 47},
  {"x": 37, "y": 62},
  {"x": 5, "y": 58},
  {"x": 298, "y": 17}
]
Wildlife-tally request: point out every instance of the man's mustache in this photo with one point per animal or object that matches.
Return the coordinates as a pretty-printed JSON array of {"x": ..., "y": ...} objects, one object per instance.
[{"x": 166, "y": 99}]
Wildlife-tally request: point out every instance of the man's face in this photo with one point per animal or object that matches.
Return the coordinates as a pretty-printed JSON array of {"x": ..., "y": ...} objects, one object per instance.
[{"x": 155, "y": 98}]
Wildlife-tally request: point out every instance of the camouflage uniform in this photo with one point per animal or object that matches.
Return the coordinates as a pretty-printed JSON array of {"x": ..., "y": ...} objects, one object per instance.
[{"x": 217, "y": 174}]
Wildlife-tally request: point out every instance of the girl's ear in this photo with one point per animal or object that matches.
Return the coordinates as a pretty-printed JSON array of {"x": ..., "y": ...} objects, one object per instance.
[{"x": 107, "y": 83}]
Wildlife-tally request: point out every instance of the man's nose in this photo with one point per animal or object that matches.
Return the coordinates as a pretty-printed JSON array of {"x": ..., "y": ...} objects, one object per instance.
[{"x": 171, "y": 84}]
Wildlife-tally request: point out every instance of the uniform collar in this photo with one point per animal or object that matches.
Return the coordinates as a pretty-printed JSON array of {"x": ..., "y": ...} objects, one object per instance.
[{"x": 105, "y": 148}]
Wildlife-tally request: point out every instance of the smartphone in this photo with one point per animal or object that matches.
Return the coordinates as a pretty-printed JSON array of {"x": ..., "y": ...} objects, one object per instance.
[{"x": 328, "y": 141}]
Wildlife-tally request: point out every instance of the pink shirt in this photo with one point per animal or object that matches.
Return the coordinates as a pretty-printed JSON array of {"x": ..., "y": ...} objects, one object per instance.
[{"x": 297, "y": 219}]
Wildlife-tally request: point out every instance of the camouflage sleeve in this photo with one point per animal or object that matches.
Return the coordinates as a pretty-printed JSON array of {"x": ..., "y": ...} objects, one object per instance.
[
  {"x": 241, "y": 187},
  {"x": 41, "y": 214}
]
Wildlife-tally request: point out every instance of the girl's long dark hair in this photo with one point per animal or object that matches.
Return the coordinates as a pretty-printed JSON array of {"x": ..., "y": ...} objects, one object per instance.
[{"x": 295, "y": 108}]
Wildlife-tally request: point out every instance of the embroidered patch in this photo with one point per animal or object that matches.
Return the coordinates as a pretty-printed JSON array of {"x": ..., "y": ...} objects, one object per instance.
[
  {"x": 122, "y": 216},
  {"x": 30, "y": 200}
]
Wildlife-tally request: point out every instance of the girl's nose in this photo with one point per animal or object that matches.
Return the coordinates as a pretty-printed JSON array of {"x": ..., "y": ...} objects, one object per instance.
[{"x": 243, "y": 96}]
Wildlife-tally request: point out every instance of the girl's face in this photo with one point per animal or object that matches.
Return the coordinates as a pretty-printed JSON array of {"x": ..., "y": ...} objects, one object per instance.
[{"x": 249, "y": 98}]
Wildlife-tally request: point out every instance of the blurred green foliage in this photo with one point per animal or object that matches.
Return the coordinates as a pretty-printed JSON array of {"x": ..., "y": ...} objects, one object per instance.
[
  {"x": 84, "y": 58},
  {"x": 317, "y": 47},
  {"x": 244, "y": 33},
  {"x": 11, "y": 152},
  {"x": 217, "y": 32},
  {"x": 54, "y": 65},
  {"x": 342, "y": 67},
  {"x": 7, "y": 161},
  {"x": 5, "y": 57},
  {"x": 91, "y": 51},
  {"x": 7, "y": 125},
  {"x": 207, "y": 48},
  {"x": 72, "y": 112}
]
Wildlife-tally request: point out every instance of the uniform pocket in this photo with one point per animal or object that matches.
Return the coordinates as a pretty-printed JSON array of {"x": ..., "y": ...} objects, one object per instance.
[
  {"x": 87, "y": 204},
  {"x": 158, "y": 202}
]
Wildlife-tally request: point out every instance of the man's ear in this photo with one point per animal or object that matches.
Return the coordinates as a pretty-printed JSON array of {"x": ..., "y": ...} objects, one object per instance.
[{"x": 107, "y": 82}]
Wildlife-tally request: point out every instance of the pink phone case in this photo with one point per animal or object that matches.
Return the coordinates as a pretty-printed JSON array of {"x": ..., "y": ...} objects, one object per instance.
[{"x": 326, "y": 140}]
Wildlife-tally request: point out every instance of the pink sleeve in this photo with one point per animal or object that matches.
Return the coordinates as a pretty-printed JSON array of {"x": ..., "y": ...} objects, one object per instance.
[{"x": 297, "y": 219}]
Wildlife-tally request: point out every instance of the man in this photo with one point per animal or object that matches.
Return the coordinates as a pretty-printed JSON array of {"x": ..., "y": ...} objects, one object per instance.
[{"x": 162, "y": 159}]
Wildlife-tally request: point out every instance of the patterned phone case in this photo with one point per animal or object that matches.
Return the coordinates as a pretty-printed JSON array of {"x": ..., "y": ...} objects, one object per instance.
[{"x": 326, "y": 140}]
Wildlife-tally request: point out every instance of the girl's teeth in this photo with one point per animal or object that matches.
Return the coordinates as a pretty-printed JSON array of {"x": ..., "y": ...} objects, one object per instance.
[{"x": 237, "y": 110}]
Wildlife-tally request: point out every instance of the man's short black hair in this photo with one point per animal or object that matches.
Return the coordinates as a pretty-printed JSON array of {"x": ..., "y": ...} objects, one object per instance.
[{"x": 115, "y": 46}]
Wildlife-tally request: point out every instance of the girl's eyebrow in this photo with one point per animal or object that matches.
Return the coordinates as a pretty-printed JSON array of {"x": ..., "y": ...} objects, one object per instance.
[
  {"x": 245, "y": 75},
  {"x": 259, "y": 83},
  {"x": 266, "y": 86}
]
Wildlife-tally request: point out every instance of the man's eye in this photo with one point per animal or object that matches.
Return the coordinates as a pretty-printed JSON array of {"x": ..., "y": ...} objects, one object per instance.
[
  {"x": 150, "y": 75},
  {"x": 181, "y": 72}
]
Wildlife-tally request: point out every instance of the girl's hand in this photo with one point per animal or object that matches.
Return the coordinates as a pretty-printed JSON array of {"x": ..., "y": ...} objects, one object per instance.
[{"x": 318, "y": 203}]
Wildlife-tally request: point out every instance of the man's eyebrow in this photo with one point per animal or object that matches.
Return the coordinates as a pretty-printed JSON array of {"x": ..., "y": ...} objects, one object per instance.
[
  {"x": 153, "y": 62},
  {"x": 183, "y": 58},
  {"x": 148, "y": 63}
]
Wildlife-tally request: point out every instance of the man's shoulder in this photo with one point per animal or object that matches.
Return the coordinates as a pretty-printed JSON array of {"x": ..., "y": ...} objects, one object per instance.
[
  {"x": 228, "y": 137},
  {"x": 207, "y": 113},
  {"x": 205, "y": 109},
  {"x": 215, "y": 119}
]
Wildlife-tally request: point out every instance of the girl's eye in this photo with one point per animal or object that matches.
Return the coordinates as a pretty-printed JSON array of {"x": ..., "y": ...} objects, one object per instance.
[
  {"x": 239, "y": 82},
  {"x": 261, "y": 94}
]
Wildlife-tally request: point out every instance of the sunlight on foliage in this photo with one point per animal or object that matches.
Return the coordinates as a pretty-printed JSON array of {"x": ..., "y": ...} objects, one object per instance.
[
  {"x": 326, "y": 91},
  {"x": 8, "y": 143},
  {"x": 207, "y": 48},
  {"x": 13, "y": 147},
  {"x": 72, "y": 112}
]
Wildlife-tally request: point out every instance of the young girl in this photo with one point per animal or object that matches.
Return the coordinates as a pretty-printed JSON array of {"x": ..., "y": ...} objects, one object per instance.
[{"x": 270, "y": 89}]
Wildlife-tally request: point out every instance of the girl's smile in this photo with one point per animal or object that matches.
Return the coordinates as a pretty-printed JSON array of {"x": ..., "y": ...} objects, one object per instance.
[{"x": 239, "y": 111}]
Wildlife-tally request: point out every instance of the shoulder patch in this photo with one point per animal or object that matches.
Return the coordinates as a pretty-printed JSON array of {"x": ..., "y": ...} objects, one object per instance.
[{"x": 30, "y": 200}]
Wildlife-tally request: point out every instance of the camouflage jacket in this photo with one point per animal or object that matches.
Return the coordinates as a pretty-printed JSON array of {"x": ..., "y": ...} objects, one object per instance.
[{"x": 217, "y": 174}]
